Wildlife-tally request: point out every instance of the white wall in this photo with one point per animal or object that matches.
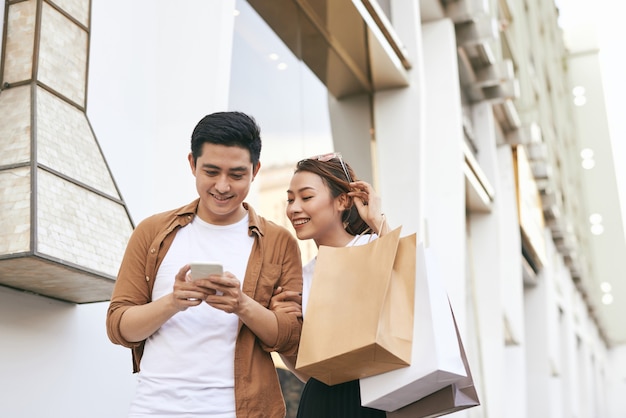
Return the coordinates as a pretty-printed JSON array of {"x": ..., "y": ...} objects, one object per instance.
[
  {"x": 56, "y": 360},
  {"x": 155, "y": 71}
]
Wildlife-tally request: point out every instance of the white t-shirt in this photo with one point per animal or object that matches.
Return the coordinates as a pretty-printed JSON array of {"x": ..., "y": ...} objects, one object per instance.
[
  {"x": 187, "y": 368},
  {"x": 309, "y": 268}
]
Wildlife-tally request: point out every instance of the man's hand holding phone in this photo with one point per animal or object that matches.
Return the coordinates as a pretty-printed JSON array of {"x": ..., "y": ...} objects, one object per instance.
[
  {"x": 202, "y": 270},
  {"x": 223, "y": 288}
]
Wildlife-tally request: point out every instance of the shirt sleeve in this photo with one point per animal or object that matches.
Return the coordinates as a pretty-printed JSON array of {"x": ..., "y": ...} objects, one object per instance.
[
  {"x": 132, "y": 285},
  {"x": 289, "y": 326}
]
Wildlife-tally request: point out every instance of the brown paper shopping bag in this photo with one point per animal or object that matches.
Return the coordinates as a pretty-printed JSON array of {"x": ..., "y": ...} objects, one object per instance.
[
  {"x": 455, "y": 397},
  {"x": 359, "y": 317}
]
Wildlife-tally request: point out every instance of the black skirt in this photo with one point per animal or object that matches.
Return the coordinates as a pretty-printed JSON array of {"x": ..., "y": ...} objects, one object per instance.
[{"x": 319, "y": 400}]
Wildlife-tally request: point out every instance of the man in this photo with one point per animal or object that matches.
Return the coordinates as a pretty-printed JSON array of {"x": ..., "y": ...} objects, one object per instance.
[{"x": 202, "y": 347}]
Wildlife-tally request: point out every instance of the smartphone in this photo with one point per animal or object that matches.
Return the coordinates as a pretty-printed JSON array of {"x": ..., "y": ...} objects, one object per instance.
[{"x": 203, "y": 269}]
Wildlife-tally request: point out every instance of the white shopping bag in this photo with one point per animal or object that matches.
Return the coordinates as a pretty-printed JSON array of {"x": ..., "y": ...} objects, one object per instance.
[
  {"x": 453, "y": 398},
  {"x": 436, "y": 357}
]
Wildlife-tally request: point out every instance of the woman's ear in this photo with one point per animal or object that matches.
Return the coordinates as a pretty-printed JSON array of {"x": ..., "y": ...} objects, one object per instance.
[{"x": 344, "y": 202}]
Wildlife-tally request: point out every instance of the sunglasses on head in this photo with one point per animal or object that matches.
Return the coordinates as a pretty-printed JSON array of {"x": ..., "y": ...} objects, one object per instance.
[{"x": 327, "y": 157}]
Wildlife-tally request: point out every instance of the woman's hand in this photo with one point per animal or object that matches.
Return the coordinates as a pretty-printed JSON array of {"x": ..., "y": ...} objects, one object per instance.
[
  {"x": 369, "y": 205},
  {"x": 286, "y": 301}
]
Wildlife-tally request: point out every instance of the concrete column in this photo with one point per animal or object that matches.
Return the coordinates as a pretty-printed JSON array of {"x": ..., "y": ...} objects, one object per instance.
[
  {"x": 537, "y": 347},
  {"x": 351, "y": 125},
  {"x": 442, "y": 159},
  {"x": 496, "y": 276},
  {"x": 399, "y": 130},
  {"x": 567, "y": 342}
]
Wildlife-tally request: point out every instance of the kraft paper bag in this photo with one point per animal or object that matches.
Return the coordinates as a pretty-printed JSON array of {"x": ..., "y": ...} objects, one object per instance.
[
  {"x": 437, "y": 360},
  {"x": 359, "y": 317},
  {"x": 455, "y": 397}
]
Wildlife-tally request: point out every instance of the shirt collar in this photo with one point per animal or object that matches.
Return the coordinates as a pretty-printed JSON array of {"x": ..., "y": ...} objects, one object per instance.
[{"x": 255, "y": 223}]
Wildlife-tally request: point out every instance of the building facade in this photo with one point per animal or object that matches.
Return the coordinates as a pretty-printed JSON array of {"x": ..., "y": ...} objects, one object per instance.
[{"x": 460, "y": 114}]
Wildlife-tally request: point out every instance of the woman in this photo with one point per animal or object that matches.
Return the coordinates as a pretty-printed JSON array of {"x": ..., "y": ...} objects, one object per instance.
[{"x": 326, "y": 203}]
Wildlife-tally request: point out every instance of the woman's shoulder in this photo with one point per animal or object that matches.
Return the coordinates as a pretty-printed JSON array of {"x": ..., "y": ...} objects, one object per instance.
[{"x": 363, "y": 239}]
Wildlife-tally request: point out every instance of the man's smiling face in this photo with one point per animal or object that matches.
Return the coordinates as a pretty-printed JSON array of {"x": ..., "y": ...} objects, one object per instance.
[{"x": 223, "y": 178}]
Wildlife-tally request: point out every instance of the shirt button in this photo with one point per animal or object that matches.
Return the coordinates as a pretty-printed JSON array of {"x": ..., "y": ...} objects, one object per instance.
[{"x": 152, "y": 251}]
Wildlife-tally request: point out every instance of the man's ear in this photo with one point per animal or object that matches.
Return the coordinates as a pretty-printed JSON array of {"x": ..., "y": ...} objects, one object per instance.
[
  {"x": 192, "y": 163},
  {"x": 255, "y": 170}
]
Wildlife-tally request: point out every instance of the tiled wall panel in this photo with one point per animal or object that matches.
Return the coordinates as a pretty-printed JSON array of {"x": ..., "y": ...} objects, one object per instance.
[
  {"x": 63, "y": 55},
  {"x": 66, "y": 143},
  {"x": 20, "y": 42},
  {"x": 15, "y": 127},
  {"x": 78, "y": 9},
  {"x": 15, "y": 209},
  {"x": 78, "y": 226}
]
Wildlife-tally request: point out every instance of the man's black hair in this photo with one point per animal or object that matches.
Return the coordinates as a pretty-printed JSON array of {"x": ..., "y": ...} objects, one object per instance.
[{"x": 227, "y": 128}]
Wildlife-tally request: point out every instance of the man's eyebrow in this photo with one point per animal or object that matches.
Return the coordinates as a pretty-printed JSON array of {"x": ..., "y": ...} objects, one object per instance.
[
  {"x": 238, "y": 169},
  {"x": 216, "y": 167}
]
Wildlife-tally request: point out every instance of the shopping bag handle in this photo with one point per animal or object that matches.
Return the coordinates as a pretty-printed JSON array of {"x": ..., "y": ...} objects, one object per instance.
[{"x": 369, "y": 229}]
